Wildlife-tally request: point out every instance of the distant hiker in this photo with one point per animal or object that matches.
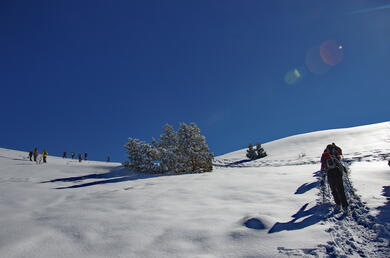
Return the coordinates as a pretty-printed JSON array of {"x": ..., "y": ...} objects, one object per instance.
[
  {"x": 39, "y": 159},
  {"x": 333, "y": 169},
  {"x": 73, "y": 154},
  {"x": 44, "y": 155},
  {"x": 388, "y": 163},
  {"x": 85, "y": 156},
  {"x": 64, "y": 155},
  {"x": 108, "y": 159},
  {"x": 80, "y": 157},
  {"x": 35, "y": 154},
  {"x": 30, "y": 154}
]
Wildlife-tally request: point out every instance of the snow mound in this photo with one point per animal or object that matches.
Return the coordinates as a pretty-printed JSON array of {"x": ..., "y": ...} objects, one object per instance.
[
  {"x": 258, "y": 222},
  {"x": 254, "y": 223}
]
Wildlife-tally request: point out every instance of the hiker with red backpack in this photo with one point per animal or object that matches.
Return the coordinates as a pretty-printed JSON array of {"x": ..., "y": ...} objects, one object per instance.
[{"x": 332, "y": 167}]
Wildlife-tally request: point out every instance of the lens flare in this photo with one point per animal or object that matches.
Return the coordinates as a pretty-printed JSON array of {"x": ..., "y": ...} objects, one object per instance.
[
  {"x": 314, "y": 62},
  {"x": 294, "y": 76},
  {"x": 331, "y": 52}
]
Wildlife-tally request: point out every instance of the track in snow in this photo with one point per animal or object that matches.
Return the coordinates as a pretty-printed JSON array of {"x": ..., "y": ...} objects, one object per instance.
[
  {"x": 355, "y": 233},
  {"x": 302, "y": 159}
]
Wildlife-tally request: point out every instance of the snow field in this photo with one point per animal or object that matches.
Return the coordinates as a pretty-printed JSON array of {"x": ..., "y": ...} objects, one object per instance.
[
  {"x": 165, "y": 216},
  {"x": 265, "y": 208}
]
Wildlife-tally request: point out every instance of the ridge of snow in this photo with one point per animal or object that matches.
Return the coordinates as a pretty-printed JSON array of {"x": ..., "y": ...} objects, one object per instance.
[{"x": 360, "y": 139}]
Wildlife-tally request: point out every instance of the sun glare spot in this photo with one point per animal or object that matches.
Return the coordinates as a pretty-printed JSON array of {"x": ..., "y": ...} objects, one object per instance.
[
  {"x": 297, "y": 73},
  {"x": 293, "y": 76},
  {"x": 331, "y": 52}
]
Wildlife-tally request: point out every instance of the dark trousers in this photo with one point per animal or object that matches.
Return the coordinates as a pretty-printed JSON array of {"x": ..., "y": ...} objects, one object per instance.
[
  {"x": 44, "y": 159},
  {"x": 335, "y": 180}
]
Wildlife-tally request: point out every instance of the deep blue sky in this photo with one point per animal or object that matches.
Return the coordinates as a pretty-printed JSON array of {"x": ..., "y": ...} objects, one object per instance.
[{"x": 85, "y": 75}]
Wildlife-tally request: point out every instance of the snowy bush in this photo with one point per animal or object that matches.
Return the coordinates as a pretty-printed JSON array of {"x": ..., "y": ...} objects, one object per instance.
[
  {"x": 257, "y": 153},
  {"x": 181, "y": 151},
  {"x": 260, "y": 151},
  {"x": 167, "y": 146},
  {"x": 142, "y": 156},
  {"x": 193, "y": 153},
  {"x": 251, "y": 152}
]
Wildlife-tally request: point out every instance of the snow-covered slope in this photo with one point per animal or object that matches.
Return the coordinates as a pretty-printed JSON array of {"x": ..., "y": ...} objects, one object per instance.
[
  {"x": 266, "y": 208},
  {"x": 357, "y": 142}
]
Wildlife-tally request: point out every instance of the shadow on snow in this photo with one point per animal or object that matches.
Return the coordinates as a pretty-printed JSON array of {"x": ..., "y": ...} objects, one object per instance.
[
  {"x": 311, "y": 216},
  {"x": 306, "y": 187},
  {"x": 314, "y": 215},
  {"x": 116, "y": 175},
  {"x": 384, "y": 211},
  {"x": 20, "y": 158},
  {"x": 233, "y": 163}
]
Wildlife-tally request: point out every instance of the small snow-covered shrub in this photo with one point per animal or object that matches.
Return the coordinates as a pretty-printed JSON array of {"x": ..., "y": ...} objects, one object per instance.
[
  {"x": 257, "y": 153},
  {"x": 260, "y": 151},
  {"x": 251, "y": 152}
]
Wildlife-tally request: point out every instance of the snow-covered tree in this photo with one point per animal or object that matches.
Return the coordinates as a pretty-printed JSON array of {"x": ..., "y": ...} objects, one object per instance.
[
  {"x": 260, "y": 152},
  {"x": 142, "y": 157},
  {"x": 251, "y": 152},
  {"x": 193, "y": 152},
  {"x": 181, "y": 151},
  {"x": 167, "y": 146}
]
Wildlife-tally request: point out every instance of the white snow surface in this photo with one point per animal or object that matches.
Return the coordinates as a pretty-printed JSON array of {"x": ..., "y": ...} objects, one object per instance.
[{"x": 272, "y": 207}]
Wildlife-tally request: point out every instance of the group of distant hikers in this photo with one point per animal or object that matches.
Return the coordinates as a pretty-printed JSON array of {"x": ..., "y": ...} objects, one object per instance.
[
  {"x": 72, "y": 155},
  {"x": 332, "y": 167},
  {"x": 39, "y": 158}
]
